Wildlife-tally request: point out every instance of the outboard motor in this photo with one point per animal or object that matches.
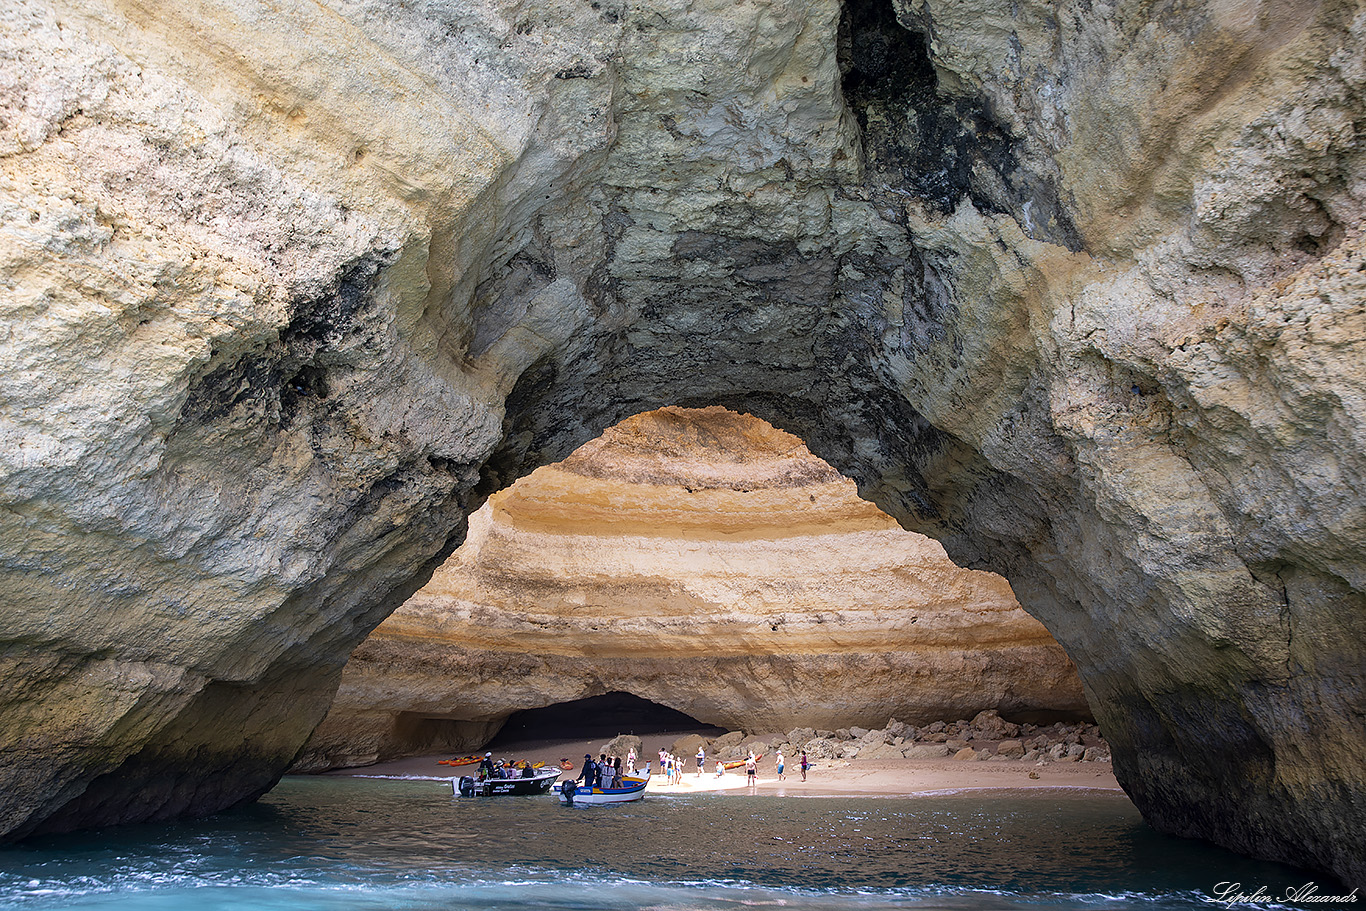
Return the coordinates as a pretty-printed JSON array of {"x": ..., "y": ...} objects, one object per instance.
[
  {"x": 466, "y": 786},
  {"x": 568, "y": 789}
]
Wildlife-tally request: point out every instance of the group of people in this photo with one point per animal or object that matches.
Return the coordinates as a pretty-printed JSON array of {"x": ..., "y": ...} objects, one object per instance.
[
  {"x": 606, "y": 771},
  {"x": 752, "y": 767},
  {"x": 500, "y": 769},
  {"x": 673, "y": 766},
  {"x": 670, "y": 766},
  {"x": 782, "y": 766},
  {"x": 603, "y": 772}
]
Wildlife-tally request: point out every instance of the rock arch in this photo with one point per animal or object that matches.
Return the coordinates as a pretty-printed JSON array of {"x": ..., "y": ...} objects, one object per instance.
[{"x": 1075, "y": 289}]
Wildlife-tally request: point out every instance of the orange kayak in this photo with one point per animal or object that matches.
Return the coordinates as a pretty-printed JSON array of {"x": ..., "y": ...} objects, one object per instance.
[
  {"x": 739, "y": 763},
  {"x": 471, "y": 760}
]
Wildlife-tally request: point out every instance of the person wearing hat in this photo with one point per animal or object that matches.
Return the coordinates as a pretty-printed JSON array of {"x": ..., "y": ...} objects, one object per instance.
[
  {"x": 589, "y": 774},
  {"x": 486, "y": 767}
]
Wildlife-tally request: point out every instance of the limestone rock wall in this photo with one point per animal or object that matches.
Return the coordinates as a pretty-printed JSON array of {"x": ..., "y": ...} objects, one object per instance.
[
  {"x": 707, "y": 562},
  {"x": 1073, "y": 287}
]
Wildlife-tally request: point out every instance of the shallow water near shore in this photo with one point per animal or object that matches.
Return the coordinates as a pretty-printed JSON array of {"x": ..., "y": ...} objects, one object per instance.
[{"x": 346, "y": 843}]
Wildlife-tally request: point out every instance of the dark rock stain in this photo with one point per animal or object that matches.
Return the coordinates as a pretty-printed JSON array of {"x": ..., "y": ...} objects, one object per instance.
[
  {"x": 921, "y": 142},
  {"x": 272, "y": 384}
]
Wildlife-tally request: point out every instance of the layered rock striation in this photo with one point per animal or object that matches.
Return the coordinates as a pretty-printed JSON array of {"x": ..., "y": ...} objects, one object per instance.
[
  {"x": 1075, "y": 288},
  {"x": 707, "y": 562}
]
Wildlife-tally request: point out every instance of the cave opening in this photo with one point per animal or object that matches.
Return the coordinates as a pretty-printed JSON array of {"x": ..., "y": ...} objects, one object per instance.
[
  {"x": 704, "y": 570},
  {"x": 597, "y": 718}
]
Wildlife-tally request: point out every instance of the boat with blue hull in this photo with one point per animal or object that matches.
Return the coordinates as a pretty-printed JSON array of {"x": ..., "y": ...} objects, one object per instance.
[{"x": 632, "y": 788}]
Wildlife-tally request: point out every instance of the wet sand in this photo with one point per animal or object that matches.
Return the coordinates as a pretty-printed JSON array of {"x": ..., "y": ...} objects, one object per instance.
[{"x": 872, "y": 777}]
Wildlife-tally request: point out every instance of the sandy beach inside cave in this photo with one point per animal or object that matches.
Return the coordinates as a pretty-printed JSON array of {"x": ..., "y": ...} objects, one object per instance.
[{"x": 835, "y": 778}]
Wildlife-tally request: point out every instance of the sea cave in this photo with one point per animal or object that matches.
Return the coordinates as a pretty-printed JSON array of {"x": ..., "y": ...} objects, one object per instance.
[{"x": 290, "y": 291}]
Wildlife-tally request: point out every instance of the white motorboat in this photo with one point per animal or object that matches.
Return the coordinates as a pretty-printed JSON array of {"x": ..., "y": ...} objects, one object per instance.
[
  {"x": 538, "y": 782},
  {"x": 632, "y": 788}
]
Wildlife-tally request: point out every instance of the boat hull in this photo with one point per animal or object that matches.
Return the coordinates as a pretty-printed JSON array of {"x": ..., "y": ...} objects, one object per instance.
[
  {"x": 504, "y": 787},
  {"x": 633, "y": 789}
]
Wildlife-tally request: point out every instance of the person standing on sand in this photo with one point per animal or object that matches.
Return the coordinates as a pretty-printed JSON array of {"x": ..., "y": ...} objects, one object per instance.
[
  {"x": 781, "y": 776},
  {"x": 752, "y": 769},
  {"x": 701, "y": 758},
  {"x": 805, "y": 765}
]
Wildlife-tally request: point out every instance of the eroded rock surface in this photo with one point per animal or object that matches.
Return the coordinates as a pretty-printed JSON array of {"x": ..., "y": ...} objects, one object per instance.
[
  {"x": 707, "y": 562},
  {"x": 1074, "y": 287}
]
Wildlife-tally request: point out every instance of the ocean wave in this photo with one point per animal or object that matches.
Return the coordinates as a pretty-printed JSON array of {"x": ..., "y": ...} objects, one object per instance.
[
  {"x": 978, "y": 792},
  {"x": 441, "y": 778}
]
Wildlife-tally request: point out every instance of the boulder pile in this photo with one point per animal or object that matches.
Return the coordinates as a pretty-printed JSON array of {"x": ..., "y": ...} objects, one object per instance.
[{"x": 987, "y": 736}]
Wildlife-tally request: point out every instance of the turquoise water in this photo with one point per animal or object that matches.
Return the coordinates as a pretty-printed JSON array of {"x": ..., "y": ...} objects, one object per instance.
[{"x": 341, "y": 843}]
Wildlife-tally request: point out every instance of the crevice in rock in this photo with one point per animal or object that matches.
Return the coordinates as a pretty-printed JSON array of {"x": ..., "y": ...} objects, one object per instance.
[
  {"x": 519, "y": 451},
  {"x": 502, "y": 301}
]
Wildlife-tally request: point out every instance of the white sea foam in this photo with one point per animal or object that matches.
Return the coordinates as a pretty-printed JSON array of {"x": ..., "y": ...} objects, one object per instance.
[
  {"x": 1014, "y": 792},
  {"x": 444, "y": 778}
]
